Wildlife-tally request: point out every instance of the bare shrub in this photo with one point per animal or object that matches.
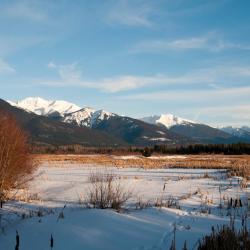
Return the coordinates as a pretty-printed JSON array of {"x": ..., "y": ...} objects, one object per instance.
[
  {"x": 106, "y": 191},
  {"x": 16, "y": 165},
  {"x": 142, "y": 204},
  {"x": 169, "y": 202},
  {"x": 147, "y": 152},
  {"x": 226, "y": 238}
]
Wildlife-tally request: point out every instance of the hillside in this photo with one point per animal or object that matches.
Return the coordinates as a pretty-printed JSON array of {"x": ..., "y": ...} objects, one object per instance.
[{"x": 43, "y": 130}]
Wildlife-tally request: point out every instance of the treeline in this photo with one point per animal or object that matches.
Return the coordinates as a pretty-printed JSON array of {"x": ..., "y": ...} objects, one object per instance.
[
  {"x": 227, "y": 149},
  {"x": 80, "y": 149}
]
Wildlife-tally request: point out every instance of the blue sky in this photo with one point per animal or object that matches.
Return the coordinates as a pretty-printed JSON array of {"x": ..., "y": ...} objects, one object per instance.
[{"x": 137, "y": 58}]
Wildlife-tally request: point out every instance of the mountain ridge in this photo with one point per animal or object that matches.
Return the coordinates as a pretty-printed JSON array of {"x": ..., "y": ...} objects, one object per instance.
[
  {"x": 44, "y": 107},
  {"x": 115, "y": 131},
  {"x": 44, "y": 130},
  {"x": 166, "y": 128}
]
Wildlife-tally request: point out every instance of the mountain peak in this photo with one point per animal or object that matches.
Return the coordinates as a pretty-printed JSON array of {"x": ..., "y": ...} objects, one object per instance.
[
  {"x": 87, "y": 117},
  {"x": 167, "y": 120},
  {"x": 41, "y": 106}
]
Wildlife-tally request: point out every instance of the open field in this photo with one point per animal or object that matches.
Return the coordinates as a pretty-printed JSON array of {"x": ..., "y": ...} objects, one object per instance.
[
  {"x": 161, "y": 201},
  {"x": 239, "y": 164}
]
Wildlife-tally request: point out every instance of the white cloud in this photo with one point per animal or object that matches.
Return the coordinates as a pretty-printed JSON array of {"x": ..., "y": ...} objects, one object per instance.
[
  {"x": 131, "y": 13},
  {"x": 30, "y": 10},
  {"x": 11, "y": 44},
  {"x": 231, "y": 115},
  {"x": 211, "y": 41},
  {"x": 52, "y": 65},
  {"x": 213, "y": 78},
  {"x": 69, "y": 74},
  {"x": 215, "y": 106},
  {"x": 5, "y": 68},
  {"x": 193, "y": 95},
  {"x": 242, "y": 111}
]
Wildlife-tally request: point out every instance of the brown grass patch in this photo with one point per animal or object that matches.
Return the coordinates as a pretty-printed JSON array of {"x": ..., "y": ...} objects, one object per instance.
[{"x": 238, "y": 164}]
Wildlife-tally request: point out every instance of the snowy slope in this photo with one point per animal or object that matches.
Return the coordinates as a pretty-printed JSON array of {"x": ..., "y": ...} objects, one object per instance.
[
  {"x": 241, "y": 132},
  {"x": 69, "y": 112},
  {"x": 201, "y": 133},
  {"x": 167, "y": 120},
  {"x": 88, "y": 117},
  {"x": 130, "y": 130},
  {"x": 60, "y": 183},
  {"x": 44, "y": 107},
  {"x": 238, "y": 131}
]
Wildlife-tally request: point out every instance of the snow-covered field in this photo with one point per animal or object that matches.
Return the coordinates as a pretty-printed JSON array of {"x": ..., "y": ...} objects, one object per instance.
[{"x": 196, "y": 194}]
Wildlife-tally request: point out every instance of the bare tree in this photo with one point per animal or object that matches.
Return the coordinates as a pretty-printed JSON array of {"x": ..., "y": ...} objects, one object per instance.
[{"x": 16, "y": 165}]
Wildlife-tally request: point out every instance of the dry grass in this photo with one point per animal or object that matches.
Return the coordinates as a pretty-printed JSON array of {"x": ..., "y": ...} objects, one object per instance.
[
  {"x": 239, "y": 164},
  {"x": 226, "y": 238}
]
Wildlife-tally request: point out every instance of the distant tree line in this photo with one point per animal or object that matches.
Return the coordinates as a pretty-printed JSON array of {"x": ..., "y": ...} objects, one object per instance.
[
  {"x": 79, "y": 149},
  {"x": 227, "y": 149}
]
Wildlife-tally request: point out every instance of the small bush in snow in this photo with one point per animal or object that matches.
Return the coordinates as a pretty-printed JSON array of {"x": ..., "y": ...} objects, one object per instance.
[{"x": 106, "y": 191}]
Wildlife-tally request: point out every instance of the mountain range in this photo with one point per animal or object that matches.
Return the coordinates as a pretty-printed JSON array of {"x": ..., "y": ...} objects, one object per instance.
[
  {"x": 61, "y": 122},
  {"x": 241, "y": 132},
  {"x": 199, "y": 132}
]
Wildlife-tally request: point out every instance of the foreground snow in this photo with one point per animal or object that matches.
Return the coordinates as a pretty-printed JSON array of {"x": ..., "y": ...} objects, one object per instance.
[
  {"x": 149, "y": 228},
  {"x": 105, "y": 229}
]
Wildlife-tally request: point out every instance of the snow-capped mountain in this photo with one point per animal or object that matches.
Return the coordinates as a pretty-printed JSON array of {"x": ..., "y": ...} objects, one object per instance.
[
  {"x": 242, "y": 132},
  {"x": 166, "y": 128},
  {"x": 44, "y": 107},
  {"x": 201, "y": 133},
  {"x": 167, "y": 120},
  {"x": 64, "y": 111},
  {"x": 121, "y": 130},
  {"x": 87, "y": 117}
]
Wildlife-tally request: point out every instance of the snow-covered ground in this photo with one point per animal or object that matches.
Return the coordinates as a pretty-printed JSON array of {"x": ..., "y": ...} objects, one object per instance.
[{"x": 196, "y": 192}]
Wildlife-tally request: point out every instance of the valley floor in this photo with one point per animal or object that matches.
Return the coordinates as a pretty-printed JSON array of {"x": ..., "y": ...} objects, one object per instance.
[{"x": 141, "y": 225}]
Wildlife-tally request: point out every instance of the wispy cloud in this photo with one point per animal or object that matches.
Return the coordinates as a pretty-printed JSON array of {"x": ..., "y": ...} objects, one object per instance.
[
  {"x": 5, "y": 68},
  {"x": 211, "y": 41},
  {"x": 239, "y": 111},
  {"x": 215, "y": 107},
  {"x": 131, "y": 13},
  {"x": 211, "y": 78},
  {"x": 26, "y": 24},
  {"x": 68, "y": 73},
  {"x": 11, "y": 44},
  {"x": 71, "y": 75},
  {"x": 30, "y": 10},
  {"x": 230, "y": 115},
  {"x": 193, "y": 95}
]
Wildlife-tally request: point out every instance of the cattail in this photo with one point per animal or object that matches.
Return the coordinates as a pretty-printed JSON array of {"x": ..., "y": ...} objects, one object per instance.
[
  {"x": 235, "y": 203},
  {"x": 51, "y": 242},
  {"x": 172, "y": 247},
  {"x": 17, "y": 241},
  {"x": 185, "y": 246}
]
